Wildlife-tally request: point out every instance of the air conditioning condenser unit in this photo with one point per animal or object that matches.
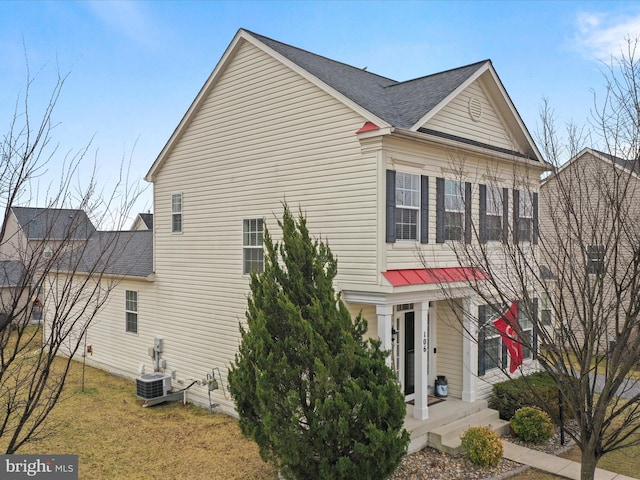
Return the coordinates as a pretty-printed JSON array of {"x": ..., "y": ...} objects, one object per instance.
[{"x": 153, "y": 385}]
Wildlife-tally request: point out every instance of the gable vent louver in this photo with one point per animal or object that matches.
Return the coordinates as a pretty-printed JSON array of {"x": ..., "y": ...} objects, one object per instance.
[{"x": 475, "y": 109}]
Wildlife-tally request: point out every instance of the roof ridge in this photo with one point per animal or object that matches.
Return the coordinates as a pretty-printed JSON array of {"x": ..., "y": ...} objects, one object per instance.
[
  {"x": 49, "y": 209},
  {"x": 259, "y": 37},
  {"x": 451, "y": 70}
]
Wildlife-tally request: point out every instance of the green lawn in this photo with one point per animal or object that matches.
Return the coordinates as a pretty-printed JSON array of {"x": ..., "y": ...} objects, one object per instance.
[{"x": 116, "y": 438}]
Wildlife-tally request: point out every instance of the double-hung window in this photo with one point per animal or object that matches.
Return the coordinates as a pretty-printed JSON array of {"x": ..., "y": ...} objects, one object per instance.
[
  {"x": 131, "y": 311},
  {"x": 492, "y": 214},
  {"x": 252, "y": 252},
  {"x": 407, "y": 205},
  {"x": 453, "y": 210},
  {"x": 176, "y": 213},
  {"x": 525, "y": 216},
  {"x": 490, "y": 348},
  {"x": 546, "y": 312},
  {"x": 595, "y": 259},
  {"x": 492, "y": 351}
]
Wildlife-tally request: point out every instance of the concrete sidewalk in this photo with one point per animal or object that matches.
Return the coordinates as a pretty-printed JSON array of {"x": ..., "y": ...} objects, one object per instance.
[{"x": 553, "y": 464}]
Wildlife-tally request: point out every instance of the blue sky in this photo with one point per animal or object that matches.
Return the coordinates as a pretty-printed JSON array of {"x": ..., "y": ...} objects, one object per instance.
[{"x": 135, "y": 67}]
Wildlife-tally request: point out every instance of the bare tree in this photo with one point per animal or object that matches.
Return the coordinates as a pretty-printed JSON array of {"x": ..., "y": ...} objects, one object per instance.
[
  {"x": 582, "y": 267},
  {"x": 55, "y": 266}
]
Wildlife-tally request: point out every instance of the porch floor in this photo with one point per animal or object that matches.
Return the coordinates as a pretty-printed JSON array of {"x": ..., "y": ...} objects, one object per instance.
[{"x": 451, "y": 412}]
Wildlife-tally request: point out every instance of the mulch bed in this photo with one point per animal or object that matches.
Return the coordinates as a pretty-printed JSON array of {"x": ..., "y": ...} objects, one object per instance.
[{"x": 430, "y": 464}]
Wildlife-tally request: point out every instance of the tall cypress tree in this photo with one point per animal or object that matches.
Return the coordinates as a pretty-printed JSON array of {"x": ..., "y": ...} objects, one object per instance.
[{"x": 317, "y": 398}]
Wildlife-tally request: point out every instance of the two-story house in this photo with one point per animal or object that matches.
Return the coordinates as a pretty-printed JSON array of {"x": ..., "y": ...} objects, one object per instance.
[
  {"x": 30, "y": 238},
  {"x": 393, "y": 174},
  {"x": 588, "y": 220}
]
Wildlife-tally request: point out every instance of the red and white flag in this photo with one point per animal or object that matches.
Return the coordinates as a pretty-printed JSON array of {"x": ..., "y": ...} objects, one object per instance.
[{"x": 508, "y": 327}]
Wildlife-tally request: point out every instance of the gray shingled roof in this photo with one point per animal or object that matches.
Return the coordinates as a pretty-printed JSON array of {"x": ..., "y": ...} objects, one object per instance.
[
  {"x": 53, "y": 223},
  {"x": 629, "y": 165},
  {"x": 147, "y": 218},
  {"x": 118, "y": 253},
  {"x": 11, "y": 273},
  {"x": 400, "y": 104}
]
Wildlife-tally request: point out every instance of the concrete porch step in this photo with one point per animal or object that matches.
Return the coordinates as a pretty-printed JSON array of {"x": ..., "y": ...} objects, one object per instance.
[
  {"x": 440, "y": 414},
  {"x": 446, "y": 438}
]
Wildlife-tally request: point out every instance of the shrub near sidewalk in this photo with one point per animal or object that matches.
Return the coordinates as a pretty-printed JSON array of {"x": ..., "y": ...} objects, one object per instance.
[
  {"x": 510, "y": 395},
  {"x": 532, "y": 425},
  {"x": 483, "y": 446}
]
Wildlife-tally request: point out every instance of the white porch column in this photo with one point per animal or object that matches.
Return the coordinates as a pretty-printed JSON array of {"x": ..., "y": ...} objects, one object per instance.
[
  {"x": 469, "y": 349},
  {"x": 385, "y": 321},
  {"x": 420, "y": 408}
]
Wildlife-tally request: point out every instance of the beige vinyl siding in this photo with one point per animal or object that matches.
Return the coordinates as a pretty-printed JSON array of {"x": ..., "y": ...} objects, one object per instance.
[
  {"x": 262, "y": 136},
  {"x": 369, "y": 314},
  {"x": 440, "y": 162},
  {"x": 449, "y": 347},
  {"x": 454, "y": 119},
  {"x": 14, "y": 243},
  {"x": 588, "y": 181},
  {"x": 112, "y": 346}
]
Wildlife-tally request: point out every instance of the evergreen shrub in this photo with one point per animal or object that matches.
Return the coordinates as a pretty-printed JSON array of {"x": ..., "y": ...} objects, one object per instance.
[
  {"x": 315, "y": 395},
  {"x": 532, "y": 425},
  {"x": 510, "y": 395},
  {"x": 483, "y": 446}
]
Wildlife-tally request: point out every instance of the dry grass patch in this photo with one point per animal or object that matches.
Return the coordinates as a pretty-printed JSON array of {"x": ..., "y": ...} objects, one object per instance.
[{"x": 116, "y": 438}]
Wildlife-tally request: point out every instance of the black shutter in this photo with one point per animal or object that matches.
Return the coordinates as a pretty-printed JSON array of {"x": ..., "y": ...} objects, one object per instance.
[
  {"x": 439, "y": 210},
  {"x": 467, "y": 213},
  {"x": 516, "y": 213},
  {"x": 505, "y": 355},
  {"x": 482, "y": 315},
  {"x": 424, "y": 209},
  {"x": 505, "y": 215},
  {"x": 391, "y": 206},
  {"x": 483, "y": 213},
  {"x": 534, "y": 227}
]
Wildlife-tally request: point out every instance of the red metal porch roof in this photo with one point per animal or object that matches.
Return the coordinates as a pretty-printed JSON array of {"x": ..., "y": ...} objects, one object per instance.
[{"x": 423, "y": 276}]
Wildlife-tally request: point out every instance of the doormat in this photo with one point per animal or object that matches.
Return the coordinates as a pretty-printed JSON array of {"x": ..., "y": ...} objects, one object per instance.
[{"x": 430, "y": 401}]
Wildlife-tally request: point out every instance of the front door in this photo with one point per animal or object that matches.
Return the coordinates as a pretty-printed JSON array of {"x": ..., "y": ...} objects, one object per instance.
[{"x": 409, "y": 352}]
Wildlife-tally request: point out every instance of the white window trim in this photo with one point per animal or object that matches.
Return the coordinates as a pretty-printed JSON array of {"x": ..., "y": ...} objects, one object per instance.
[
  {"x": 595, "y": 259},
  {"x": 494, "y": 201},
  {"x": 247, "y": 246},
  {"x": 400, "y": 205},
  {"x": 494, "y": 207},
  {"x": 491, "y": 333},
  {"x": 525, "y": 206},
  {"x": 127, "y": 311},
  {"x": 177, "y": 212},
  {"x": 448, "y": 194}
]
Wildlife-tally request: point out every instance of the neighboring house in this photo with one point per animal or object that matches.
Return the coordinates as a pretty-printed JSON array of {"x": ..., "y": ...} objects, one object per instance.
[
  {"x": 381, "y": 168},
  {"x": 32, "y": 236},
  {"x": 578, "y": 205},
  {"x": 144, "y": 221},
  {"x": 31, "y": 231},
  {"x": 12, "y": 278}
]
